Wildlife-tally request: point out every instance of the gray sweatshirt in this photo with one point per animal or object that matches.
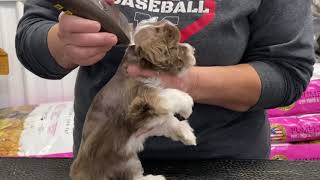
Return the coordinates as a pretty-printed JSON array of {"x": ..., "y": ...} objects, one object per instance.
[{"x": 274, "y": 36}]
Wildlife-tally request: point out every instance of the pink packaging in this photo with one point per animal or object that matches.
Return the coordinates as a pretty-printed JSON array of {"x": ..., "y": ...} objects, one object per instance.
[
  {"x": 295, "y": 152},
  {"x": 307, "y": 104},
  {"x": 295, "y": 128}
]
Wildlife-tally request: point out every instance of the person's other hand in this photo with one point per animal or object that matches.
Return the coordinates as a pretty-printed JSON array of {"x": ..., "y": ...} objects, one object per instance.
[
  {"x": 77, "y": 41},
  {"x": 184, "y": 82}
]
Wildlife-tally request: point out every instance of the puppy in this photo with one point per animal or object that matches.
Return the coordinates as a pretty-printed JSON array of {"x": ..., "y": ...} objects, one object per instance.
[{"x": 126, "y": 111}]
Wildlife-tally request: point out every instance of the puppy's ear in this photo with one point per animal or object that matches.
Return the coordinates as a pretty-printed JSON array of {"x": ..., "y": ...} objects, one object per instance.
[
  {"x": 144, "y": 108},
  {"x": 172, "y": 34},
  {"x": 155, "y": 56}
]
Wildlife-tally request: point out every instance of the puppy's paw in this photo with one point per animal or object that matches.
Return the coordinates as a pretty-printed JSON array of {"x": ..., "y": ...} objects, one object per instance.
[
  {"x": 153, "y": 177},
  {"x": 186, "y": 105},
  {"x": 189, "y": 52},
  {"x": 185, "y": 133},
  {"x": 178, "y": 102},
  {"x": 186, "y": 112}
]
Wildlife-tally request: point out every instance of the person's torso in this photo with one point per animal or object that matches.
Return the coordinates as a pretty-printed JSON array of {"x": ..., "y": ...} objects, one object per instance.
[{"x": 219, "y": 30}]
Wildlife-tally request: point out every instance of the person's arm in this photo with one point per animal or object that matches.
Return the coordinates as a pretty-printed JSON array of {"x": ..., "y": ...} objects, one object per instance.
[
  {"x": 233, "y": 87},
  {"x": 51, "y": 46},
  {"x": 31, "y": 39},
  {"x": 277, "y": 66}
]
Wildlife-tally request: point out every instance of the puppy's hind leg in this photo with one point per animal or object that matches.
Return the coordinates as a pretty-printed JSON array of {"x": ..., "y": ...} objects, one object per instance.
[
  {"x": 134, "y": 171},
  {"x": 152, "y": 177}
]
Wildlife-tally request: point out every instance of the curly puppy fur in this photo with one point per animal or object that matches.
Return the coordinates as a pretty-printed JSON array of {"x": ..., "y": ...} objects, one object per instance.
[{"x": 127, "y": 111}]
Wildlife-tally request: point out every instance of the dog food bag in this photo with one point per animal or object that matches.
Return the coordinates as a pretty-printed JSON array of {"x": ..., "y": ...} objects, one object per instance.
[
  {"x": 43, "y": 130},
  {"x": 295, "y": 128},
  {"x": 306, "y": 151},
  {"x": 307, "y": 104}
]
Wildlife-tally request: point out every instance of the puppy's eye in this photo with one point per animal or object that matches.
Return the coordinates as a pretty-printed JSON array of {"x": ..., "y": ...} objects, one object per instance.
[{"x": 157, "y": 29}]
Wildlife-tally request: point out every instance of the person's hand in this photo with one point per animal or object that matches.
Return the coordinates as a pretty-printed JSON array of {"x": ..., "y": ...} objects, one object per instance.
[
  {"x": 76, "y": 41},
  {"x": 184, "y": 82}
]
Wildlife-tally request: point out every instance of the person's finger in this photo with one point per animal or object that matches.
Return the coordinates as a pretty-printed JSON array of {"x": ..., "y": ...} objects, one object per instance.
[
  {"x": 89, "y": 39},
  {"x": 92, "y": 60},
  {"x": 86, "y": 61},
  {"x": 77, "y": 52},
  {"x": 75, "y": 24}
]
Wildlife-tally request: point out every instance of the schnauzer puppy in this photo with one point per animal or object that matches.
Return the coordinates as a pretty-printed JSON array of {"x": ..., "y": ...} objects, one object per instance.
[{"x": 126, "y": 111}]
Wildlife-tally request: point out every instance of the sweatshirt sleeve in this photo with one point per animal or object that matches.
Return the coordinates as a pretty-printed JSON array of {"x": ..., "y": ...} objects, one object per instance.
[
  {"x": 31, "y": 40},
  {"x": 281, "y": 50}
]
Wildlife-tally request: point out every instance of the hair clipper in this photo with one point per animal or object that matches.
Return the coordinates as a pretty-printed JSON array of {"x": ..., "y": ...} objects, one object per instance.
[{"x": 110, "y": 17}]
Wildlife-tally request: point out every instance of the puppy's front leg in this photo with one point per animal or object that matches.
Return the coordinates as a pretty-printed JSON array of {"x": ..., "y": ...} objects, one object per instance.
[
  {"x": 177, "y": 102},
  {"x": 178, "y": 131}
]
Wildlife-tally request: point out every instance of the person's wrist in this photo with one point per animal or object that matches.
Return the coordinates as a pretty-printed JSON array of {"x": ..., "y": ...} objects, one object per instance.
[
  {"x": 56, "y": 48},
  {"x": 192, "y": 81}
]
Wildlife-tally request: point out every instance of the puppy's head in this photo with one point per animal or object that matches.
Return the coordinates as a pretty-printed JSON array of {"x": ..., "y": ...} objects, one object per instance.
[{"x": 157, "y": 45}]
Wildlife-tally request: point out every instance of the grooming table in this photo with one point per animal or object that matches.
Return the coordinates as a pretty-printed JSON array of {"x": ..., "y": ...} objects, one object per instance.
[{"x": 57, "y": 169}]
